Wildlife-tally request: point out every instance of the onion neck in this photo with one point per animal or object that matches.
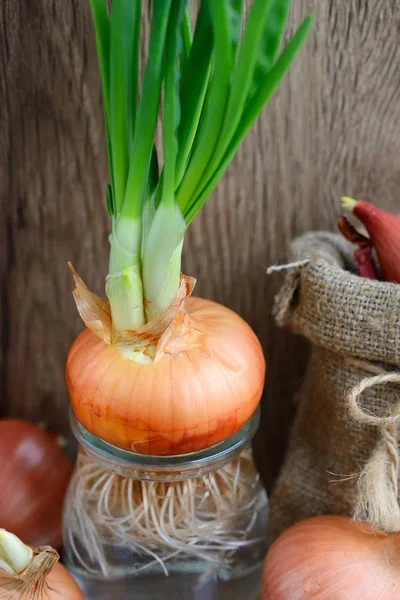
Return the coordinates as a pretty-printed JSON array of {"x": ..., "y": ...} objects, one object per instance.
[
  {"x": 145, "y": 266},
  {"x": 162, "y": 259},
  {"x": 15, "y": 556},
  {"x": 124, "y": 286},
  {"x": 171, "y": 332}
]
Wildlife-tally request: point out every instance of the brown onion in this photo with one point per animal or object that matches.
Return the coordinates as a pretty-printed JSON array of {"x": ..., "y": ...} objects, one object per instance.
[
  {"x": 203, "y": 384},
  {"x": 33, "y": 573},
  {"x": 34, "y": 477},
  {"x": 60, "y": 585},
  {"x": 333, "y": 558}
]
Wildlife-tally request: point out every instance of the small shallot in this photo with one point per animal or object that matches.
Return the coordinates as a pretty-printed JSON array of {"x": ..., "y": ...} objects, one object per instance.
[
  {"x": 384, "y": 230},
  {"x": 363, "y": 254}
]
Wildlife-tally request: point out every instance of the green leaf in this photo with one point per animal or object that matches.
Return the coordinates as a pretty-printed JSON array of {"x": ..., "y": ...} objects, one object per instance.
[
  {"x": 187, "y": 38},
  {"x": 271, "y": 83},
  {"x": 250, "y": 51},
  {"x": 134, "y": 78},
  {"x": 193, "y": 86},
  {"x": 210, "y": 126},
  {"x": 171, "y": 116},
  {"x": 252, "y": 112},
  {"x": 146, "y": 121},
  {"x": 235, "y": 11},
  {"x": 271, "y": 40},
  {"x": 125, "y": 23},
  {"x": 102, "y": 31}
]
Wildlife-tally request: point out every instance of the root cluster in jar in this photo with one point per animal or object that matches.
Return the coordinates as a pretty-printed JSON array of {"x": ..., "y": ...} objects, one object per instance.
[{"x": 209, "y": 518}]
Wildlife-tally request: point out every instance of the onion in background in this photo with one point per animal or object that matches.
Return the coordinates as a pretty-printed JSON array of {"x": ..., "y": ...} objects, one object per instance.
[
  {"x": 333, "y": 558},
  {"x": 34, "y": 476}
]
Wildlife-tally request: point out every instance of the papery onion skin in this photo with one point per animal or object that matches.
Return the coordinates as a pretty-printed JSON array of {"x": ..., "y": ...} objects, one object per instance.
[
  {"x": 34, "y": 477},
  {"x": 181, "y": 403},
  {"x": 333, "y": 558},
  {"x": 59, "y": 585}
]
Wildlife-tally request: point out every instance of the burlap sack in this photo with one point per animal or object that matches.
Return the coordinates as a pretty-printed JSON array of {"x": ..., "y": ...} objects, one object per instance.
[{"x": 343, "y": 455}]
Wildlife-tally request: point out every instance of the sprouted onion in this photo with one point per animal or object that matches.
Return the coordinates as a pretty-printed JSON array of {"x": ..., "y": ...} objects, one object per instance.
[
  {"x": 33, "y": 573},
  {"x": 158, "y": 372}
]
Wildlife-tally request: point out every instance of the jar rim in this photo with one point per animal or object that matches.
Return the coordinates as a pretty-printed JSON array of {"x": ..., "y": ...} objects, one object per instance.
[{"x": 222, "y": 451}]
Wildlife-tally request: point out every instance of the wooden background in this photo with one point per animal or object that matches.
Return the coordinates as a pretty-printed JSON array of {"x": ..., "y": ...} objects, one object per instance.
[{"x": 333, "y": 128}]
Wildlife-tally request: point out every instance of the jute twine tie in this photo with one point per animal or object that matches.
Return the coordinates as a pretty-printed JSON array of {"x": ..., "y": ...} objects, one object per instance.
[
  {"x": 377, "y": 495},
  {"x": 287, "y": 266}
]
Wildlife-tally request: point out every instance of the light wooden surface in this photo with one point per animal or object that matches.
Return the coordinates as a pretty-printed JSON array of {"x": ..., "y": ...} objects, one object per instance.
[{"x": 333, "y": 128}]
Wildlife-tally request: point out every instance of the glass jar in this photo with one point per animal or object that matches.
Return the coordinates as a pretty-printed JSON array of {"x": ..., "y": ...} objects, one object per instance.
[{"x": 192, "y": 526}]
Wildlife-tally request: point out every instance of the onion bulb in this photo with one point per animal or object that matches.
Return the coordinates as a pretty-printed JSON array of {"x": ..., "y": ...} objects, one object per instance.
[
  {"x": 196, "y": 382},
  {"x": 33, "y": 573},
  {"x": 34, "y": 477},
  {"x": 333, "y": 558}
]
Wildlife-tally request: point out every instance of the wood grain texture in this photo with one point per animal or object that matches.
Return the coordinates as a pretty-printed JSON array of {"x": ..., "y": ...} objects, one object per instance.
[{"x": 333, "y": 128}]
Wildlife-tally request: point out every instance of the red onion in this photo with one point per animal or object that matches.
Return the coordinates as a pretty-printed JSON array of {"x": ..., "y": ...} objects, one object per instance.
[{"x": 34, "y": 477}]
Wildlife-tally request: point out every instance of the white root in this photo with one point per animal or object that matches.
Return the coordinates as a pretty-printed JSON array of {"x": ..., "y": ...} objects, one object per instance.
[{"x": 208, "y": 518}]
